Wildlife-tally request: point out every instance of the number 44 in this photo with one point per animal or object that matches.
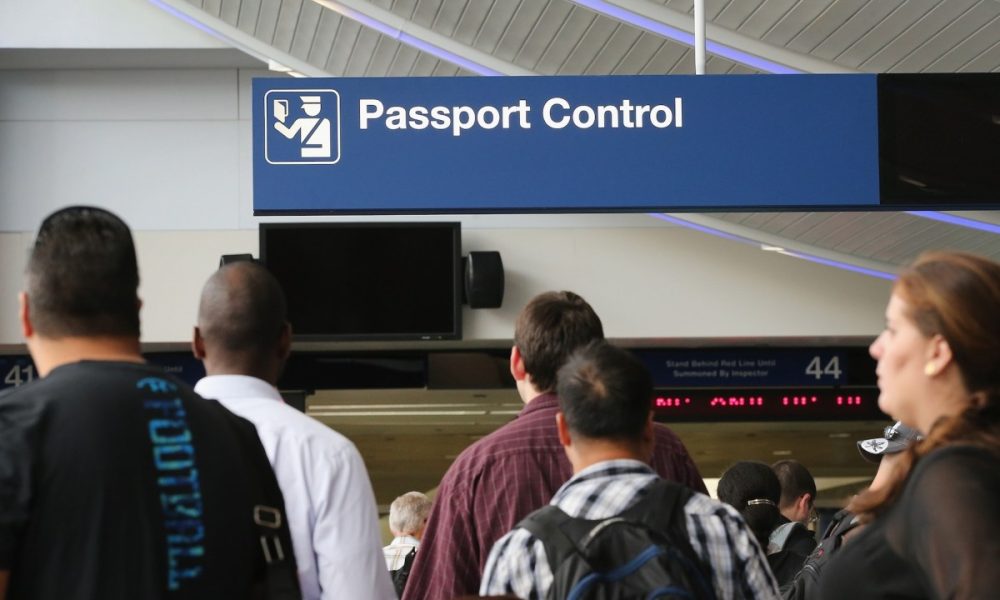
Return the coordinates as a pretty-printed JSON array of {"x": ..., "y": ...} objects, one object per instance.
[{"x": 832, "y": 368}]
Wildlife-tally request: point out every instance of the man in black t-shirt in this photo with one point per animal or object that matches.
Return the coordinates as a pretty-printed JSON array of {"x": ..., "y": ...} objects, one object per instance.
[{"x": 116, "y": 480}]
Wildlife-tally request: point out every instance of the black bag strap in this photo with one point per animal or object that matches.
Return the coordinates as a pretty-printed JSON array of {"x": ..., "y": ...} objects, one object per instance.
[
  {"x": 661, "y": 509},
  {"x": 269, "y": 517},
  {"x": 547, "y": 526}
]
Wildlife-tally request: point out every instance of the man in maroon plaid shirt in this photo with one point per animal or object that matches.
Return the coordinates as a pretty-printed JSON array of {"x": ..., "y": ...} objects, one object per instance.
[{"x": 501, "y": 478}]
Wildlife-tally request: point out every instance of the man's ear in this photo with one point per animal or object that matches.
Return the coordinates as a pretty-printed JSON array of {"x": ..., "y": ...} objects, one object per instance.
[
  {"x": 198, "y": 344},
  {"x": 285, "y": 341},
  {"x": 24, "y": 313},
  {"x": 648, "y": 438},
  {"x": 562, "y": 428},
  {"x": 804, "y": 504},
  {"x": 517, "y": 365}
]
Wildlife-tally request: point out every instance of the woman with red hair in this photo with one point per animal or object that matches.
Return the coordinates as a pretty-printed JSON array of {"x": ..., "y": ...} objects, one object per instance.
[{"x": 934, "y": 528}]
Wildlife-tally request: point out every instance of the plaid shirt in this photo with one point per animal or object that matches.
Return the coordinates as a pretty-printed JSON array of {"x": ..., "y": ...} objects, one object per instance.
[{"x": 518, "y": 564}]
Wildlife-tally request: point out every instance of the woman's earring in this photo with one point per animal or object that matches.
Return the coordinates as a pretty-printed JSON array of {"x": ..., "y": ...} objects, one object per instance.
[{"x": 930, "y": 369}]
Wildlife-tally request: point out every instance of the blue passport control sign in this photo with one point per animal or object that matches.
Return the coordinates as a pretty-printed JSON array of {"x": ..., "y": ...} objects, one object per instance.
[{"x": 525, "y": 144}]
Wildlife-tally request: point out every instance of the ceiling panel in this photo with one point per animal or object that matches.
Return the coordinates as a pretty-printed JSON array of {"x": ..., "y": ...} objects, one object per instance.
[
  {"x": 246, "y": 21},
  {"x": 855, "y": 28},
  {"x": 766, "y": 17},
  {"x": 522, "y": 28},
  {"x": 286, "y": 23},
  {"x": 793, "y": 22},
  {"x": 734, "y": 14},
  {"x": 927, "y": 26},
  {"x": 326, "y": 32},
  {"x": 904, "y": 16},
  {"x": 951, "y": 36},
  {"x": 267, "y": 20},
  {"x": 230, "y": 10},
  {"x": 306, "y": 29},
  {"x": 617, "y": 48}
]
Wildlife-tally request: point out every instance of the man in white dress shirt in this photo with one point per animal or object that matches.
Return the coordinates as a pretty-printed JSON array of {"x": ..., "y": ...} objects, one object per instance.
[{"x": 243, "y": 338}]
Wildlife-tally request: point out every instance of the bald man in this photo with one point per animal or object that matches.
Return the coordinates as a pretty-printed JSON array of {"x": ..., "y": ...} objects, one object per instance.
[{"x": 243, "y": 338}]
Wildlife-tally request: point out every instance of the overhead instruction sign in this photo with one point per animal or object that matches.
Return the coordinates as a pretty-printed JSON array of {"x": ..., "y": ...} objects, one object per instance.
[{"x": 522, "y": 144}]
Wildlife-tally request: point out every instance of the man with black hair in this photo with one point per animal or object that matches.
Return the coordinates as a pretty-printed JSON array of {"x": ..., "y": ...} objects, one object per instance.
[
  {"x": 497, "y": 481},
  {"x": 243, "y": 338},
  {"x": 116, "y": 480},
  {"x": 797, "y": 507},
  {"x": 605, "y": 425},
  {"x": 798, "y": 490}
]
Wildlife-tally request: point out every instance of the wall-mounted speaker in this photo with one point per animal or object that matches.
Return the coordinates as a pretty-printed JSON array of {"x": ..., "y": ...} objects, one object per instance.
[
  {"x": 226, "y": 259},
  {"x": 483, "y": 279}
]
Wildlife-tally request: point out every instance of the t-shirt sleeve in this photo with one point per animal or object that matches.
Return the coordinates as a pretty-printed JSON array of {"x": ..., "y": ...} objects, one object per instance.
[
  {"x": 19, "y": 425},
  {"x": 948, "y": 525}
]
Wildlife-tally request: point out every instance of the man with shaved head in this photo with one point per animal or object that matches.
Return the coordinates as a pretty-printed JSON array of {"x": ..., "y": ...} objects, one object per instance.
[{"x": 243, "y": 338}]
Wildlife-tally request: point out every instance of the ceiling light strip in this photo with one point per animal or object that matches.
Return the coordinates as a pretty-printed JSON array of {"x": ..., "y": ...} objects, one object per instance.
[
  {"x": 729, "y": 44},
  {"x": 781, "y": 250},
  {"x": 956, "y": 220}
]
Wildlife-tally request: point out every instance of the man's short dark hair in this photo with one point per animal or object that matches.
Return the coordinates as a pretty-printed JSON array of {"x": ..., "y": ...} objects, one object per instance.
[
  {"x": 82, "y": 277},
  {"x": 549, "y": 329},
  {"x": 795, "y": 480},
  {"x": 605, "y": 393},
  {"x": 243, "y": 309}
]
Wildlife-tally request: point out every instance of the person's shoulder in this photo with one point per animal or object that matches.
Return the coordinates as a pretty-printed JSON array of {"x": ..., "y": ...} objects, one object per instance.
[
  {"x": 666, "y": 435},
  {"x": 25, "y": 404},
  {"x": 957, "y": 462},
  {"x": 958, "y": 458},
  {"x": 961, "y": 453},
  {"x": 518, "y": 437}
]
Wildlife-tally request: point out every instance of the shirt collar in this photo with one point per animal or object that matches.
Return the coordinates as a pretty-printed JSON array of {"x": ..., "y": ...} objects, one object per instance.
[
  {"x": 405, "y": 540},
  {"x": 540, "y": 403},
  {"x": 225, "y": 387},
  {"x": 605, "y": 470}
]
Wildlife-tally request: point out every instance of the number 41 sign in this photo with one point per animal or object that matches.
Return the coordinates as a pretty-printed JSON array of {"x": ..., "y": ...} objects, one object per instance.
[{"x": 17, "y": 370}]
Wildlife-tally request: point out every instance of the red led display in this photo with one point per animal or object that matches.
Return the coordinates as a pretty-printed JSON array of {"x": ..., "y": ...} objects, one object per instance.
[{"x": 767, "y": 404}]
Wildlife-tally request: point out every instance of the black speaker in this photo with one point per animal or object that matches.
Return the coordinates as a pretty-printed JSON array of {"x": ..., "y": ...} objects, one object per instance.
[
  {"x": 231, "y": 258},
  {"x": 483, "y": 279}
]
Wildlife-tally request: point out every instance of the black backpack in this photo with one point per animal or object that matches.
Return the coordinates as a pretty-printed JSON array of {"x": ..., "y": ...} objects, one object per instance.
[
  {"x": 400, "y": 575},
  {"x": 642, "y": 553},
  {"x": 805, "y": 586}
]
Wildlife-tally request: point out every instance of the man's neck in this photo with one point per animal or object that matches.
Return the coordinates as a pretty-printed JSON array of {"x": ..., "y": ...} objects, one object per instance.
[
  {"x": 527, "y": 391},
  {"x": 598, "y": 451},
  {"x": 49, "y": 353},
  {"x": 268, "y": 375}
]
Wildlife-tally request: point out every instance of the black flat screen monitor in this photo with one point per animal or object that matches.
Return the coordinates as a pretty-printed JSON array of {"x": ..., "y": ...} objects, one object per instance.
[{"x": 368, "y": 281}]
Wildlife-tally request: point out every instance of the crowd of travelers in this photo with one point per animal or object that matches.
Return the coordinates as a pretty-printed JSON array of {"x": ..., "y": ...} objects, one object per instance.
[{"x": 118, "y": 480}]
